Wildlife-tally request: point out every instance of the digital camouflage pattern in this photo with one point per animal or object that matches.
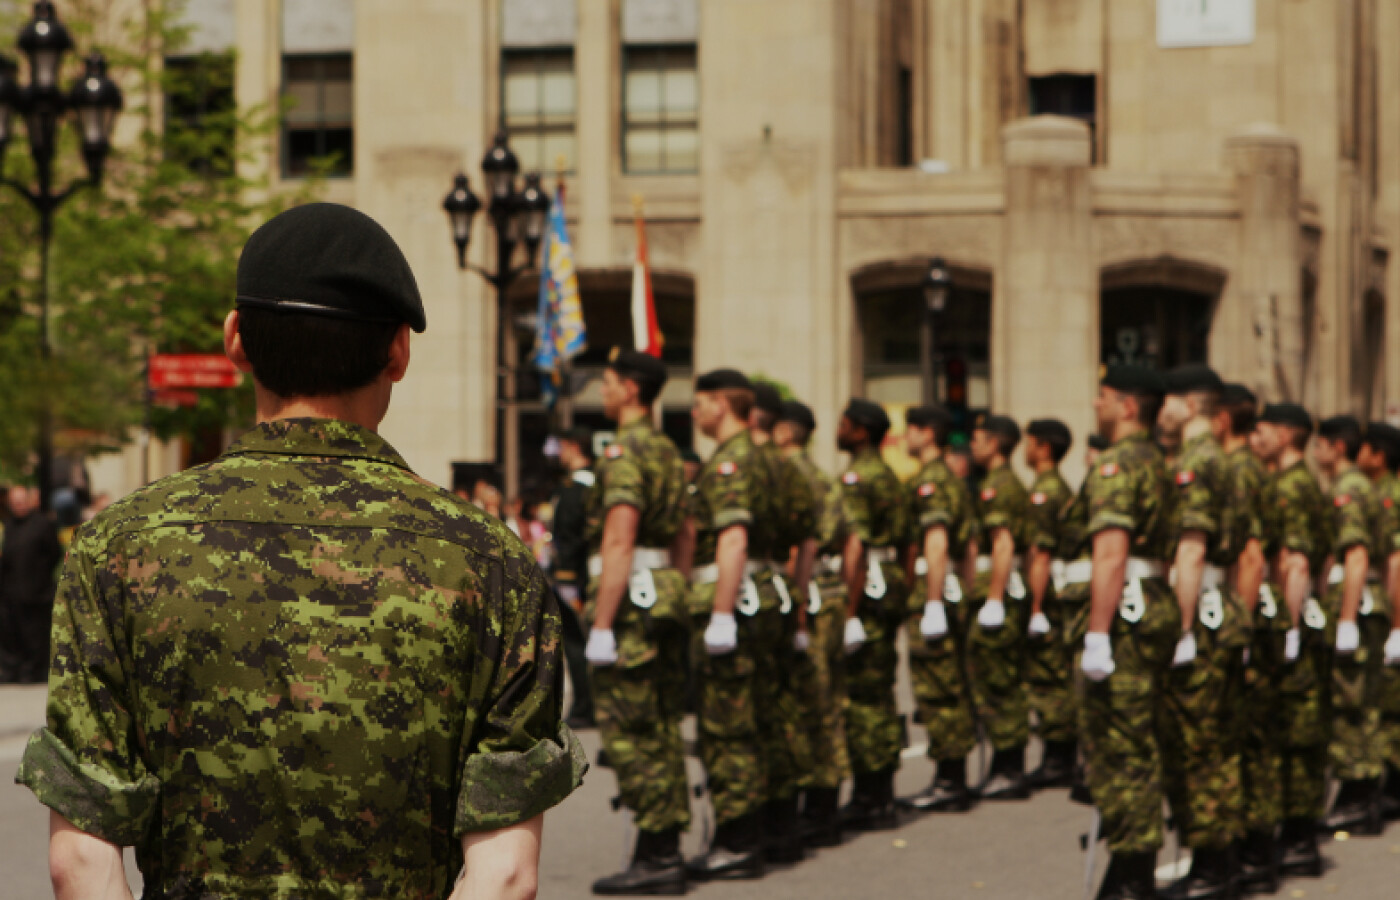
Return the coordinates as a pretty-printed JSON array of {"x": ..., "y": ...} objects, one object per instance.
[
  {"x": 1388, "y": 691},
  {"x": 1049, "y": 675},
  {"x": 299, "y": 668},
  {"x": 1198, "y": 725},
  {"x": 793, "y": 503},
  {"x": 1129, "y": 489},
  {"x": 1073, "y": 598},
  {"x": 875, "y": 509},
  {"x": 995, "y": 656},
  {"x": 940, "y": 499},
  {"x": 640, "y": 700}
]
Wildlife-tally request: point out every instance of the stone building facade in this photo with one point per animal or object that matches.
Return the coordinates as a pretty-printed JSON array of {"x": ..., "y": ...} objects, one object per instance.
[{"x": 1145, "y": 179}]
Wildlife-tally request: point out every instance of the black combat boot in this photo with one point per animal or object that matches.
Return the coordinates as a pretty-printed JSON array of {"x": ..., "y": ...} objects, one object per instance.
[
  {"x": 1056, "y": 768},
  {"x": 1007, "y": 780},
  {"x": 947, "y": 793},
  {"x": 1259, "y": 859},
  {"x": 657, "y": 868},
  {"x": 821, "y": 820},
  {"x": 735, "y": 852},
  {"x": 782, "y": 832},
  {"x": 872, "y": 803},
  {"x": 1130, "y": 876},
  {"x": 1208, "y": 879},
  {"x": 1357, "y": 808},
  {"x": 1079, "y": 786},
  {"x": 1300, "y": 855}
]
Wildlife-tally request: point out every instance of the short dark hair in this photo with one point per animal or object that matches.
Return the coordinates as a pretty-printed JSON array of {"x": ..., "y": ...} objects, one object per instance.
[
  {"x": 647, "y": 389},
  {"x": 1345, "y": 429},
  {"x": 1058, "y": 443},
  {"x": 1243, "y": 417},
  {"x": 296, "y": 355},
  {"x": 801, "y": 434},
  {"x": 1387, "y": 448},
  {"x": 1149, "y": 405},
  {"x": 740, "y": 400}
]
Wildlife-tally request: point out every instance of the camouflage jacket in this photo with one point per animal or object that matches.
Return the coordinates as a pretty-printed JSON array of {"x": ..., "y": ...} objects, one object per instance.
[
  {"x": 300, "y": 668},
  {"x": 732, "y": 489},
  {"x": 938, "y": 497},
  {"x": 1387, "y": 540},
  {"x": 1296, "y": 517},
  {"x": 1050, "y": 499},
  {"x": 1355, "y": 513},
  {"x": 1074, "y": 526},
  {"x": 1205, "y": 500},
  {"x": 794, "y": 514},
  {"x": 827, "y": 515},
  {"x": 641, "y": 469},
  {"x": 1129, "y": 489},
  {"x": 1248, "y": 479},
  {"x": 1003, "y": 503},
  {"x": 873, "y": 500}
]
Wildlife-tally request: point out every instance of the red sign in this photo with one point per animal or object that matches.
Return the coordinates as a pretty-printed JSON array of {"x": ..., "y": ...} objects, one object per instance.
[
  {"x": 175, "y": 398},
  {"x": 192, "y": 370}
]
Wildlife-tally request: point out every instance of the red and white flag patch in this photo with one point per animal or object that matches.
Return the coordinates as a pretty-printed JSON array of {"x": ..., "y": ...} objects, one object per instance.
[
  {"x": 727, "y": 467},
  {"x": 850, "y": 478},
  {"x": 1108, "y": 470},
  {"x": 613, "y": 451},
  {"x": 927, "y": 490},
  {"x": 1185, "y": 477},
  {"x": 1038, "y": 499},
  {"x": 1341, "y": 500},
  {"x": 988, "y": 494}
]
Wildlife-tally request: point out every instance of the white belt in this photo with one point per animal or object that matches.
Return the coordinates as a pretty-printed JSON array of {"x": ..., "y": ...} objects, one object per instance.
[
  {"x": 710, "y": 574},
  {"x": 984, "y": 563},
  {"x": 1336, "y": 574},
  {"x": 1081, "y": 571},
  {"x": 831, "y": 565},
  {"x": 877, "y": 555},
  {"x": 642, "y": 558},
  {"x": 1212, "y": 577}
]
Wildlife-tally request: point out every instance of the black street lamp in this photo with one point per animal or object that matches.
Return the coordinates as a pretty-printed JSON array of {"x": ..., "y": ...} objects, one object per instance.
[
  {"x": 517, "y": 215},
  {"x": 42, "y": 103},
  {"x": 938, "y": 284}
]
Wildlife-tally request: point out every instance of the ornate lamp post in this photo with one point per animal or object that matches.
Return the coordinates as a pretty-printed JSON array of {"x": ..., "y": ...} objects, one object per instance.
[
  {"x": 517, "y": 215},
  {"x": 95, "y": 100},
  {"x": 938, "y": 283}
]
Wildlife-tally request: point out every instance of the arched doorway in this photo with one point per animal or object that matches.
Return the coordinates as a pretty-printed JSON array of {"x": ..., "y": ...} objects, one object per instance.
[{"x": 1157, "y": 313}]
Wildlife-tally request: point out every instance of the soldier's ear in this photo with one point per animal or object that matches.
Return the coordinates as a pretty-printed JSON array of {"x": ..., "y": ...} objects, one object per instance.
[{"x": 233, "y": 344}]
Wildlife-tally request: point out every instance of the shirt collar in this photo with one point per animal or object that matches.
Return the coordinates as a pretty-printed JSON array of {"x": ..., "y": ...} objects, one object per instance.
[
  {"x": 316, "y": 437},
  {"x": 639, "y": 424}
]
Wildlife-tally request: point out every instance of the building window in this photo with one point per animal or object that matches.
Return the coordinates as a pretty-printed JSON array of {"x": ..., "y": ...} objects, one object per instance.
[
  {"x": 318, "y": 134},
  {"x": 200, "y": 115},
  {"x": 1074, "y": 96},
  {"x": 660, "y": 110},
  {"x": 538, "y": 107}
]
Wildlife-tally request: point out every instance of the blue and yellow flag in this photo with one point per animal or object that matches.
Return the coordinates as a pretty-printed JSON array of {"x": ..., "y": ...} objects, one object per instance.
[{"x": 562, "y": 335}]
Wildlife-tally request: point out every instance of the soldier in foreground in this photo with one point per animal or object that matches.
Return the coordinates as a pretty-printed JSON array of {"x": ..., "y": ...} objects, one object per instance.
[
  {"x": 301, "y": 670},
  {"x": 641, "y": 623}
]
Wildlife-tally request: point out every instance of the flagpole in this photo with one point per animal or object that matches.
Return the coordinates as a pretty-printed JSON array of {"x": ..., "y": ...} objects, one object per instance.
[{"x": 566, "y": 369}]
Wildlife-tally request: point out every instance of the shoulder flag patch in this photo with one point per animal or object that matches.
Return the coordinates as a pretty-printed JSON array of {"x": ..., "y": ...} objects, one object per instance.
[
  {"x": 927, "y": 490},
  {"x": 988, "y": 494},
  {"x": 1388, "y": 503},
  {"x": 727, "y": 467},
  {"x": 1185, "y": 477},
  {"x": 850, "y": 478},
  {"x": 1038, "y": 499},
  {"x": 1108, "y": 470},
  {"x": 1341, "y": 500},
  {"x": 613, "y": 451}
]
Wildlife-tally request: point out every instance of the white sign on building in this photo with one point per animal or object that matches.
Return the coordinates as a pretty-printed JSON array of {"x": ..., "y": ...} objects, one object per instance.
[{"x": 1204, "y": 23}]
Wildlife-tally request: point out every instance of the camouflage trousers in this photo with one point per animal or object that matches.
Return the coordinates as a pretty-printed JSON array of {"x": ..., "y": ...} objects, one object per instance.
[
  {"x": 1305, "y": 723},
  {"x": 936, "y": 670},
  {"x": 783, "y": 737},
  {"x": 639, "y": 703},
  {"x": 821, "y": 679},
  {"x": 874, "y": 734},
  {"x": 1117, "y": 719},
  {"x": 1356, "y": 750},
  {"x": 1198, "y": 727},
  {"x": 1050, "y": 679},
  {"x": 1260, "y": 712},
  {"x": 1390, "y": 716},
  {"x": 995, "y": 665}
]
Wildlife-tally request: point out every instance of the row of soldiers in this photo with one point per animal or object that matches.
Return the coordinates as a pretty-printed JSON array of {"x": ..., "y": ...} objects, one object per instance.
[{"x": 1229, "y": 688}]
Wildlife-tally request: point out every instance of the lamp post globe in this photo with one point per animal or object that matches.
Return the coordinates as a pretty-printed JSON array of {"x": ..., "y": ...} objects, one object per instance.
[
  {"x": 938, "y": 283},
  {"x": 532, "y": 209},
  {"x": 461, "y": 206},
  {"x": 97, "y": 100},
  {"x": 44, "y": 40},
  {"x": 500, "y": 168}
]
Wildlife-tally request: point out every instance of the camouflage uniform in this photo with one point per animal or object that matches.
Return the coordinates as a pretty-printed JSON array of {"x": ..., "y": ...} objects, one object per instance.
[
  {"x": 300, "y": 668},
  {"x": 1129, "y": 489},
  {"x": 1388, "y": 693},
  {"x": 875, "y": 508},
  {"x": 1198, "y": 727},
  {"x": 1355, "y": 750},
  {"x": 733, "y": 489},
  {"x": 822, "y": 677},
  {"x": 936, "y": 666},
  {"x": 1049, "y": 682},
  {"x": 1298, "y": 518},
  {"x": 995, "y": 655},
  {"x": 640, "y": 699}
]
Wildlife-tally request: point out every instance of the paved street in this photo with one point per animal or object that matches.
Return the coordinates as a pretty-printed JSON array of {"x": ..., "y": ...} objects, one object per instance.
[{"x": 1025, "y": 851}]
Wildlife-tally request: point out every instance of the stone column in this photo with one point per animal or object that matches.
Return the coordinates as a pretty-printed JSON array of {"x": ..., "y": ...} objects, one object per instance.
[
  {"x": 1263, "y": 304},
  {"x": 596, "y": 70},
  {"x": 1045, "y": 310}
]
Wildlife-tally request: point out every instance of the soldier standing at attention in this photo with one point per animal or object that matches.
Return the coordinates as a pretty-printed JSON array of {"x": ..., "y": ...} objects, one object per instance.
[
  {"x": 1198, "y": 732},
  {"x": 733, "y": 522},
  {"x": 823, "y": 678},
  {"x": 571, "y": 563},
  {"x": 875, "y": 508},
  {"x": 640, "y": 623},
  {"x": 1049, "y": 673},
  {"x": 1000, "y": 610},
  {"x": 942, "y": 511},
  {"x": 1133, "y": 626},
  {"x": 302, "y": 670},
  {"x": 1356, "y": 513}
]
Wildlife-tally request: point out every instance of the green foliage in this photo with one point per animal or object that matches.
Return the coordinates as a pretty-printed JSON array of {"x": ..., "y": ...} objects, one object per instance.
[{"x": 781, "y": 387}]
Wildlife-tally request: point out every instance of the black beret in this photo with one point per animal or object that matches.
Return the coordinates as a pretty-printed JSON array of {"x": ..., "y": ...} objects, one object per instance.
[
  {"x": 1236, "y": 394},
  {"x": 642, "y": 368},
  {"x": 720, "y": 379},
  {"x": 1003, "y": 426},
  {"x": 1339, "y": 427},
  {"x": 1378, "y": 433},
  {"x": 767, "y": 398},
  {"x": 1050, "y": 430},
  {"x": 1099, "y": 442},
  {"x": 935, "y": 417},
  {"x": 581, "y": 436},
  {"x": 329, "y": 260},
  {"x": 798, "y": 413},
  {"x": 1133, "y": 379},
  {"x": 867, "y": 414},
  {"x": 1192, "y": 378},
  {"x": 1287, "y": 414}
]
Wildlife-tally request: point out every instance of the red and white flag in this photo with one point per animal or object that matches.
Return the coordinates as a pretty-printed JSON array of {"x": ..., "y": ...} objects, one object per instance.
[{"x": 645, "y": 330}]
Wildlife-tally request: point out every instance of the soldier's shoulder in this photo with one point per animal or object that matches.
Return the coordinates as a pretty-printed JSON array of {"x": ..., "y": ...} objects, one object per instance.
[{"x": 1352, "y": 483}]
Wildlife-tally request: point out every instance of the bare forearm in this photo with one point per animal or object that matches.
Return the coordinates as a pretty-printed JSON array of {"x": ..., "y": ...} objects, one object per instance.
[
  {"x": 84, "y": 867},
  {"x": 854, "y": 571},
  {"x": 1353, "y": 581},
  {"x": 936, "y": 557},
  {"x": 1249, "y": 574},
  {"x": 1039, "y": 577},
  {"x": 619, "y": 538},
  {"x": 1392, "y": 587},
  {"x": 683, "y": 548},
  {"x": 1190, "y": 565},
  {"x": 501, "y": 865},
  {"x": 730, "y": 554},
  {"x": 1106, "y": 586},
  {"x": 1003, "y": 553},
  {"x": 1295, "y": 585}
]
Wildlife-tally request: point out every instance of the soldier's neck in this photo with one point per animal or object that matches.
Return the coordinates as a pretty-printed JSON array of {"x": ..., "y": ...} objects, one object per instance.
[
  {"x": 996, "y": 462},
  {"x": 1126, "y": 428},
  {"x": 1234, "y": 442},
  {"x": 1289, "y": 458},
  {"x": 759, "y": 437},
  {"x": 930, "y": 453},
  {"x": 630, "y": 414},
  {"x": 1193, "y": 429},
  {"x": 1045, "y": 466},
  {"x": 365, "y": 407},
  {"x": 729, "y": 426}
]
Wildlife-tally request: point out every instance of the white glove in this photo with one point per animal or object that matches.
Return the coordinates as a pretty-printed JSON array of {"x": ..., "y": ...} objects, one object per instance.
[
  {"x": 1097, "y": 663},
  {"x": 1185, "y": 650},
  {"x": 934, "y": 624},
  {"x": 992, "y": 615},
  {"x": 1392, "y": 648},
  {"x": 1292, "y": 644},
  {"x": 801, "y": 641},
  {"x": 855, "y": 634},
  {"x": 1040, "y": 625},
  {"x": 568, "y": 593},
  {"x": 602, "y": 647},
  {"x": 722, "y": 634},
  {"x": 1348, "y": 638}
]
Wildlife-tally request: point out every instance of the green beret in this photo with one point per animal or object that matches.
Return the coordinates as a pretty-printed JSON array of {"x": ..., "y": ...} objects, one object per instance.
[
  {"x": 1193, "y": 378},
  {"x": 1290, "y": 414},
  {"x": 935, "y": 417},
  {"x": 868, "y": 415},
  {"x": 1002, "y": 426},
  {"x": 799, "y": 414},
  {"x": 1133, "y": 380},
  {"x": 1099, "y": 442},
  {"x": 767, "y": 398},
  {"x": 1050, "y": 431},
  {"x": 642, "y": 368},
  {"x": 1235, "y": 394},
  {"x": 721, "y": 379},
  {"x": 323, "y": 259}
]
